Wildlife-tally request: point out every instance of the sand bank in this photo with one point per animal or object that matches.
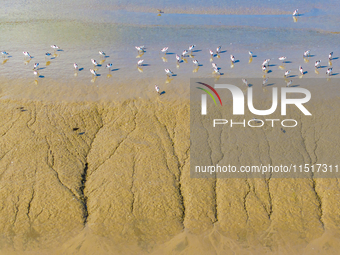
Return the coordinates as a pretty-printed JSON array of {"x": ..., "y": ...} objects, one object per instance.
[{"x": 114, "y": 178}]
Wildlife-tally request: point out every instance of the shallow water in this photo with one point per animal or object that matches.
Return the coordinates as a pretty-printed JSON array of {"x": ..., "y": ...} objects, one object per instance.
[{"x": 82, "y": 28}]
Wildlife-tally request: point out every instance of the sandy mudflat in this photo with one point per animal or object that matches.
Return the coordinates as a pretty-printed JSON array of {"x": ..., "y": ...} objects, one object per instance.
[{"x": 114, "y": 178}]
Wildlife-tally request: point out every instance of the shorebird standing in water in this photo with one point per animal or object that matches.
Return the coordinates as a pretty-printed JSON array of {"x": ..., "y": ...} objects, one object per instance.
[
  {"x": 232, "y": 58},
  {"x": 168, "y": 72},
  {"x": 26, "y": 54},
  {"x": 140, "y": 62},
  {"x": 157, "y": 89},
  {"x": 55, "y": 47},
  {"x": 245, "y": 82},
  {"x": 94, "y": 62},
  {"x": 287, "y": 73},
  {"x": 296, "y": 12},
  {"x": 330, "y": 56},
  {"x": 165, "y": 50},
  {"x": 329, "y": 71},
  {"x": 140, "y": 48},
  {"x": 282, "y": 59},
  {"x": 317, "y": 64},
  {"x": 109, "y": 66},
  {"x": 301, "y": 70},
  {"x": 94, "y": 73},
  {"x": 4, "y": 54},
  {"x": 218, "y": 49},
  {"x": 306, "y": 53}
]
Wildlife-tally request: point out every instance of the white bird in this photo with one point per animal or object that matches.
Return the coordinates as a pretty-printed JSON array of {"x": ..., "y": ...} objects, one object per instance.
[
  {"x": 195, "y": 62},
  {"x": 296, "y": 12},
  {"x": 168, "y": 72},
  {"x": 211, "y": 53},
  {"x": 102, "y": 53},
  {"x": 35, "y": 73},
  {"x": 140, "y": 62},
  {"x": 218, "y": 49},
  {"x": 264, "y": 68},
  {"x": 4, "y": 53},
  {"x": 109, "y": 65},
  {"x": 301, "y": 70},
  {"x": 264, "y": 82},
  {"x": 214, "y": 66},
  {"x": 140, "y": 48},
  {"x": 178, "y": 58},
  {"x": 157, "y": 89},
  {"x": 55, "y": 47},
  {"x": 35, "y": 65},
  {"x": 75, "y": 66},
  {"x": 287, "y": 73},
  {"x": 94, "y": 62},
  {"x": 26, "y": 54},
  {"x": 184, "y": 53},
  {"x": 216, "y": 71},
  {"x": 232, "y": 58},
  {"x": 317, "y": 64},
  {"x": 165, "y": 50},
  {"x": 266, "y": 62},
  {"x": 191, "y": 47},
  {"x": 289, "y": 83},
  {"x": 282, "y": 59},
  {"x": 330, "y": 56},
  {"x": 250, "y": 54},
  {"x": 329, "y": 71},
  {"x": 306, "y": 53},
  {"x": 245, "y": 82},
  {"x": 47, "y": 54},
  {"x": 93, "y": 72}
]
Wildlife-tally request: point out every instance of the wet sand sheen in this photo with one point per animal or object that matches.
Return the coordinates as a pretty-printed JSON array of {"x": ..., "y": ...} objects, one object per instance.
[{"x": 113, "y": 178}]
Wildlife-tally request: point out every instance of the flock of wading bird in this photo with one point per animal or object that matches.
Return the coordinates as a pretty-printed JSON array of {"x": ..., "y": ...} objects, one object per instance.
[{"x": 182, "y": 58}]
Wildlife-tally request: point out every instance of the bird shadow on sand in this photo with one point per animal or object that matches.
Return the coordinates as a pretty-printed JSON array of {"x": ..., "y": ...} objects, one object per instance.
[
  {"x": 269, "y": 71},
  {"x": 106, "y": 56},
  {"x": 223, "y": 51},
  {"x": 305, "y": 72},
  {"x": 163, "y": 92},
  {"x": 196, "y": 50},
  {"x": 250, "y": 85},
  {"x": 295, "y": 86},
  {"x": 334, "y": 74},
  {"x": 145, "y": 65},
  {"x": 292, "y": 76},
  {"x": 272, "y": 65},
  {"x": 310, "y": 56},
  {"x": 287, "y": 62},
  {"x": 335, "y": 58},
  {"x": 270, "y": 84},
  {"x": 174, "y": 75},
  {"x": 113, "y": 70},
  {"x": 41, "y": 68},
  {"x": 322, "y": 66},
  {"x": 81, "y": 69},
  {"x": 41, "y": 76},
  {"x": 60, "y": 50},
  {"x": 236, "y": 61},
  {"x": 254, "y": 56},
  {"x": 200, "y": 65},
  {"x": 170, "y": 53}
]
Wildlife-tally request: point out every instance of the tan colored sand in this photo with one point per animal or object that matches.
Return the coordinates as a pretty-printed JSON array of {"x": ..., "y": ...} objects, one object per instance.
[{"x": 120, "y": 184}]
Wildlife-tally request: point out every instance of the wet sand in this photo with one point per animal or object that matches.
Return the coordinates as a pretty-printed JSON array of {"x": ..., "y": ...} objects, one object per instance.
[{"x": 113, "y": 177}]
